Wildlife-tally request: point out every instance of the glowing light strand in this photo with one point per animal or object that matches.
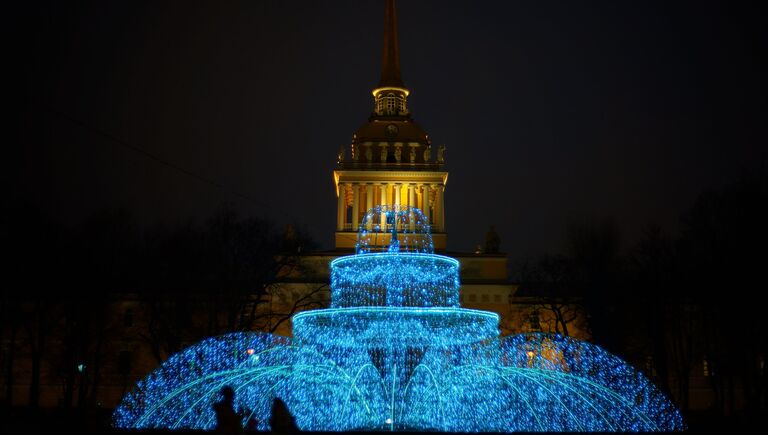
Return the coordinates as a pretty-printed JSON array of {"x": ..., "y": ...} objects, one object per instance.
[{"x": 396, "y": 352}]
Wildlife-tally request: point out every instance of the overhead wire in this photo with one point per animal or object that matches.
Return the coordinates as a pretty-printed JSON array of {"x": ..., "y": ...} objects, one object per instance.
[{"x": 155, "y": 158}]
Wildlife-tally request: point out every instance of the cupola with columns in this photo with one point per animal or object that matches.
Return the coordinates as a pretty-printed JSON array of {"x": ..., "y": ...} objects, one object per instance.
[{"x": 391, "y": 160}]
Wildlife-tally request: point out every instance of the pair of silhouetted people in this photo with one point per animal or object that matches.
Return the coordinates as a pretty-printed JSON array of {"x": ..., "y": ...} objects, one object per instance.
[{"x": 230, "y": 421}]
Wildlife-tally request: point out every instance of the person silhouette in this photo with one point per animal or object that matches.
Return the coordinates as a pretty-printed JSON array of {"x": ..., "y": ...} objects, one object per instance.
[
  {"x": 281, "y": 421},
  {"x": 228, "y": 421}
]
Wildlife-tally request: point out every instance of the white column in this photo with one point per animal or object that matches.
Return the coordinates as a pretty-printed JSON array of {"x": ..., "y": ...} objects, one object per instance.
[
  {"x": 436, "y": 208},
  {"x": 425, "y": 201},
  {"x": 348, "y": 202},
  {"x": 369, "y": 202},
  {"x": 397, "y": 187},
  {"x": 355, "y": 207},
  {"x": 340, "y": 215},
  {"x": 441, "y": 206},
  {"x": 412, "y": 203},
  {"x": 419, "y": 197},
  {"x": 383, "y": 191}
]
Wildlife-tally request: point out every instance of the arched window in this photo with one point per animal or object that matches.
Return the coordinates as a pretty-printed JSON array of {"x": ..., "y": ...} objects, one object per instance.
[{"x": 391, "y": 104}]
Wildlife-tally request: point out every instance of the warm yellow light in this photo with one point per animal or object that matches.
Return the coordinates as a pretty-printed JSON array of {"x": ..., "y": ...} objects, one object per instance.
[
  {"x": 336, "y": 182},
  {"x": 389, "y": 88}
]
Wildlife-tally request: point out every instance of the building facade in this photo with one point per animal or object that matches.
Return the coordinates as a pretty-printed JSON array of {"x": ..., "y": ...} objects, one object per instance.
[{"x": 390, "y": 161}]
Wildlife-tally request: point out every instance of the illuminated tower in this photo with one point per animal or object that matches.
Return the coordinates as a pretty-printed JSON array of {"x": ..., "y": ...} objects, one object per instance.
[
  {"x": 392, "y": 165},
  {"x": 391, "y": 160},
  {"x": 397, "y": 349}
]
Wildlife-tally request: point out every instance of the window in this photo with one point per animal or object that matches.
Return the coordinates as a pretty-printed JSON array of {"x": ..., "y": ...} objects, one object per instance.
[
  {"x": 497, "y": 299},
  {"x": 485, "y": 298},
  {"x": 534, "y": 322},
  {"x": 380, "y": 103},
  {"x": 391, "y": 104},
  {"x": 472, "y": 298}
]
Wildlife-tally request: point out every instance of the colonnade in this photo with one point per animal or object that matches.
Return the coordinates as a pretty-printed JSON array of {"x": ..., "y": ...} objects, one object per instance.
[{"x": 428, "y": 197}]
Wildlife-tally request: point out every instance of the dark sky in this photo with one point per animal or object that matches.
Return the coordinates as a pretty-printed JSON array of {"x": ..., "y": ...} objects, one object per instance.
[{"x": 551, "y": 111}]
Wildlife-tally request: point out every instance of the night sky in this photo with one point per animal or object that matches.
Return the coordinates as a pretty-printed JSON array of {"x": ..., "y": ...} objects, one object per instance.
[{"x": 551, "y": 111}]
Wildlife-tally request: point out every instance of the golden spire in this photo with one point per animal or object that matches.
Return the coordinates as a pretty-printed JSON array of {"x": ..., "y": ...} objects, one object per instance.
[{"x": 390, "y": 62}]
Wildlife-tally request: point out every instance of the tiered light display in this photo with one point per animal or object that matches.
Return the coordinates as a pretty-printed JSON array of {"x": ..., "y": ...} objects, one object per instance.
[
  {"x": 394, "y": 228},
  {"x": 395, "y": 352}
]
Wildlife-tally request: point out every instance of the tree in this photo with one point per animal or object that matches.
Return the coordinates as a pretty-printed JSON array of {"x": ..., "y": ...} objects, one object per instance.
[
  {"x": 549, "y": 280},
  {"x": 100, "y": 263},
  {"x": 722, "y": 260},
  {"x": 594, "y": 248},
  {"x": 654, "y": 276},
  {"x": 172, "y": 280},
  {"x": 32, "y": 244},
  {"x": 216, "y": 277}
]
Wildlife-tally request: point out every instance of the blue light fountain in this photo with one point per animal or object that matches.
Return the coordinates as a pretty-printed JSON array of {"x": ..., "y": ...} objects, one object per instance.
[{"x": 396, "y": 352}]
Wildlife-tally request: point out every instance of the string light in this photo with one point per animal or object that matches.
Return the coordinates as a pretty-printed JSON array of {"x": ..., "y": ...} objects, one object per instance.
[
  {"x": 394, "y": 279},
  {"x": 394, "y": 228},
  {"x": 396, "y": 352}
]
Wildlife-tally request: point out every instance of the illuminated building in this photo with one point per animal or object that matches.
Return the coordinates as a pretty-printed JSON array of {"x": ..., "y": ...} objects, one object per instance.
[
  {"x": 392, "y": 165},
  {"x": 396, "y": 350},
  {"x": 391, "y": 161}
]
